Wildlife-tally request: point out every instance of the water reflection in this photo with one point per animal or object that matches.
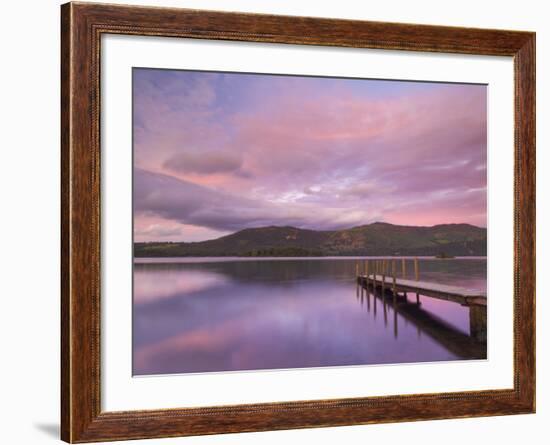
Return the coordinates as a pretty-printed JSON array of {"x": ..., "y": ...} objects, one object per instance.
[
  {"x": 270, "y": 314},
  {"x": 463, "y": 345}
]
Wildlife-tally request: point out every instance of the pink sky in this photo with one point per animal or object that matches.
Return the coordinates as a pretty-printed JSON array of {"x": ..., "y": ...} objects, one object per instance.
[{"x": 216, "y": 153}]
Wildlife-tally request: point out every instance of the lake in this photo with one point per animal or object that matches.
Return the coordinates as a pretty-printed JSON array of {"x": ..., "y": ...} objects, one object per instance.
[{"x": 230, "y": 314}]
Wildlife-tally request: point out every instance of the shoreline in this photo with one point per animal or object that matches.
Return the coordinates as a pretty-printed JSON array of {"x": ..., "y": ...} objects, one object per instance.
[{"x": 213, "y": 259}]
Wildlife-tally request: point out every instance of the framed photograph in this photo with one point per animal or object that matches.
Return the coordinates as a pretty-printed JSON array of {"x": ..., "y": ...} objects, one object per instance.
[{"x": 274, "y": 222}]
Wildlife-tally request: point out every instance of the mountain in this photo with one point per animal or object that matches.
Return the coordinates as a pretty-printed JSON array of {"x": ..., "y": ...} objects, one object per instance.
[{"x": 372, "y": 239}]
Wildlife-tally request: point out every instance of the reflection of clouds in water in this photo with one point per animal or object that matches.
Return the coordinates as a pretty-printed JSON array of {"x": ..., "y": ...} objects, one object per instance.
[
  {"x": 258, "y": 327},
  {"x": 151, "y": 287},
  {"x": 467, "y": 282},
  {"x": 273, "y": 314},
  {"x": 235, "y": 335},
  {"x": 182, "y": 347},
  {"x": 448, "y": 312},
  {"x": 467, "y": 273}
]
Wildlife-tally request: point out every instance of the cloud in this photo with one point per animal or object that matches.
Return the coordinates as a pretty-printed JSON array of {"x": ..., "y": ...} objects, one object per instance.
[
  {"x": 160, "y": 231},
  {"x": 203, "y": 163},
  {"x": 177, "y": 200},
  {"x": 360, "y": 190}
]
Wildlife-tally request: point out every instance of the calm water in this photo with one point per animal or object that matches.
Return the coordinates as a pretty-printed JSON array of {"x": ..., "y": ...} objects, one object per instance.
[{"x": 227, "y": 314}]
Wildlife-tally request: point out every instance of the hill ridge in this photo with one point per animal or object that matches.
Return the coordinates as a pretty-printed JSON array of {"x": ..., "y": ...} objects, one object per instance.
[{"x": 378, "y": 238}]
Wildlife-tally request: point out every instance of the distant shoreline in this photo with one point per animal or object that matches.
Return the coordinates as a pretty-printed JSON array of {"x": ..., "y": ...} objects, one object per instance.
[{"x": 206, "y": 259}]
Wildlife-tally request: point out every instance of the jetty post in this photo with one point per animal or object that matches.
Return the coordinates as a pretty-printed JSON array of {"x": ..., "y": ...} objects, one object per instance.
[
  {"x": 393, "y": 277},
  {"x": 393, "y": 267},
  {"x": 366, "y": 281},
  {"x": 416, "y": 277},
  {"x": 404, "y": 272},
  {"x": 383, "y": 275},
  {"x": 478, "y": 322}
]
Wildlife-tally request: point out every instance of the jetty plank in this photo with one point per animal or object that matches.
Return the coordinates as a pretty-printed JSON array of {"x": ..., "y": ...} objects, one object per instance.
[{"x": 457, "y": 294}]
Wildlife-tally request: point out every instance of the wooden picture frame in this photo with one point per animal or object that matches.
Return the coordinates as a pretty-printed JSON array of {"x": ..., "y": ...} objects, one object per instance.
[{"x": 82, "y": 25}]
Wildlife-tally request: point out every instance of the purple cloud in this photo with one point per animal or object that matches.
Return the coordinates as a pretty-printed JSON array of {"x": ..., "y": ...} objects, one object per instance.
[{"x": 203, "y": 163}]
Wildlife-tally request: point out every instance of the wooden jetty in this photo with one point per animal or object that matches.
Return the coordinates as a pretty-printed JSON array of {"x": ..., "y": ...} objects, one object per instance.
[{"x": 381, "y": 276}]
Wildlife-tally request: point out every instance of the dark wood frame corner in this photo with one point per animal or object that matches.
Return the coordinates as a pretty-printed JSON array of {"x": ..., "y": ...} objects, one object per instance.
[{"x": 82, "y": 25}]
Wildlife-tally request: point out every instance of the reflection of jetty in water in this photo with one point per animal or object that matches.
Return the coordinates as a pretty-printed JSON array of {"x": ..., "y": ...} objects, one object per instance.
[{"x": 379, "y": 281}]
